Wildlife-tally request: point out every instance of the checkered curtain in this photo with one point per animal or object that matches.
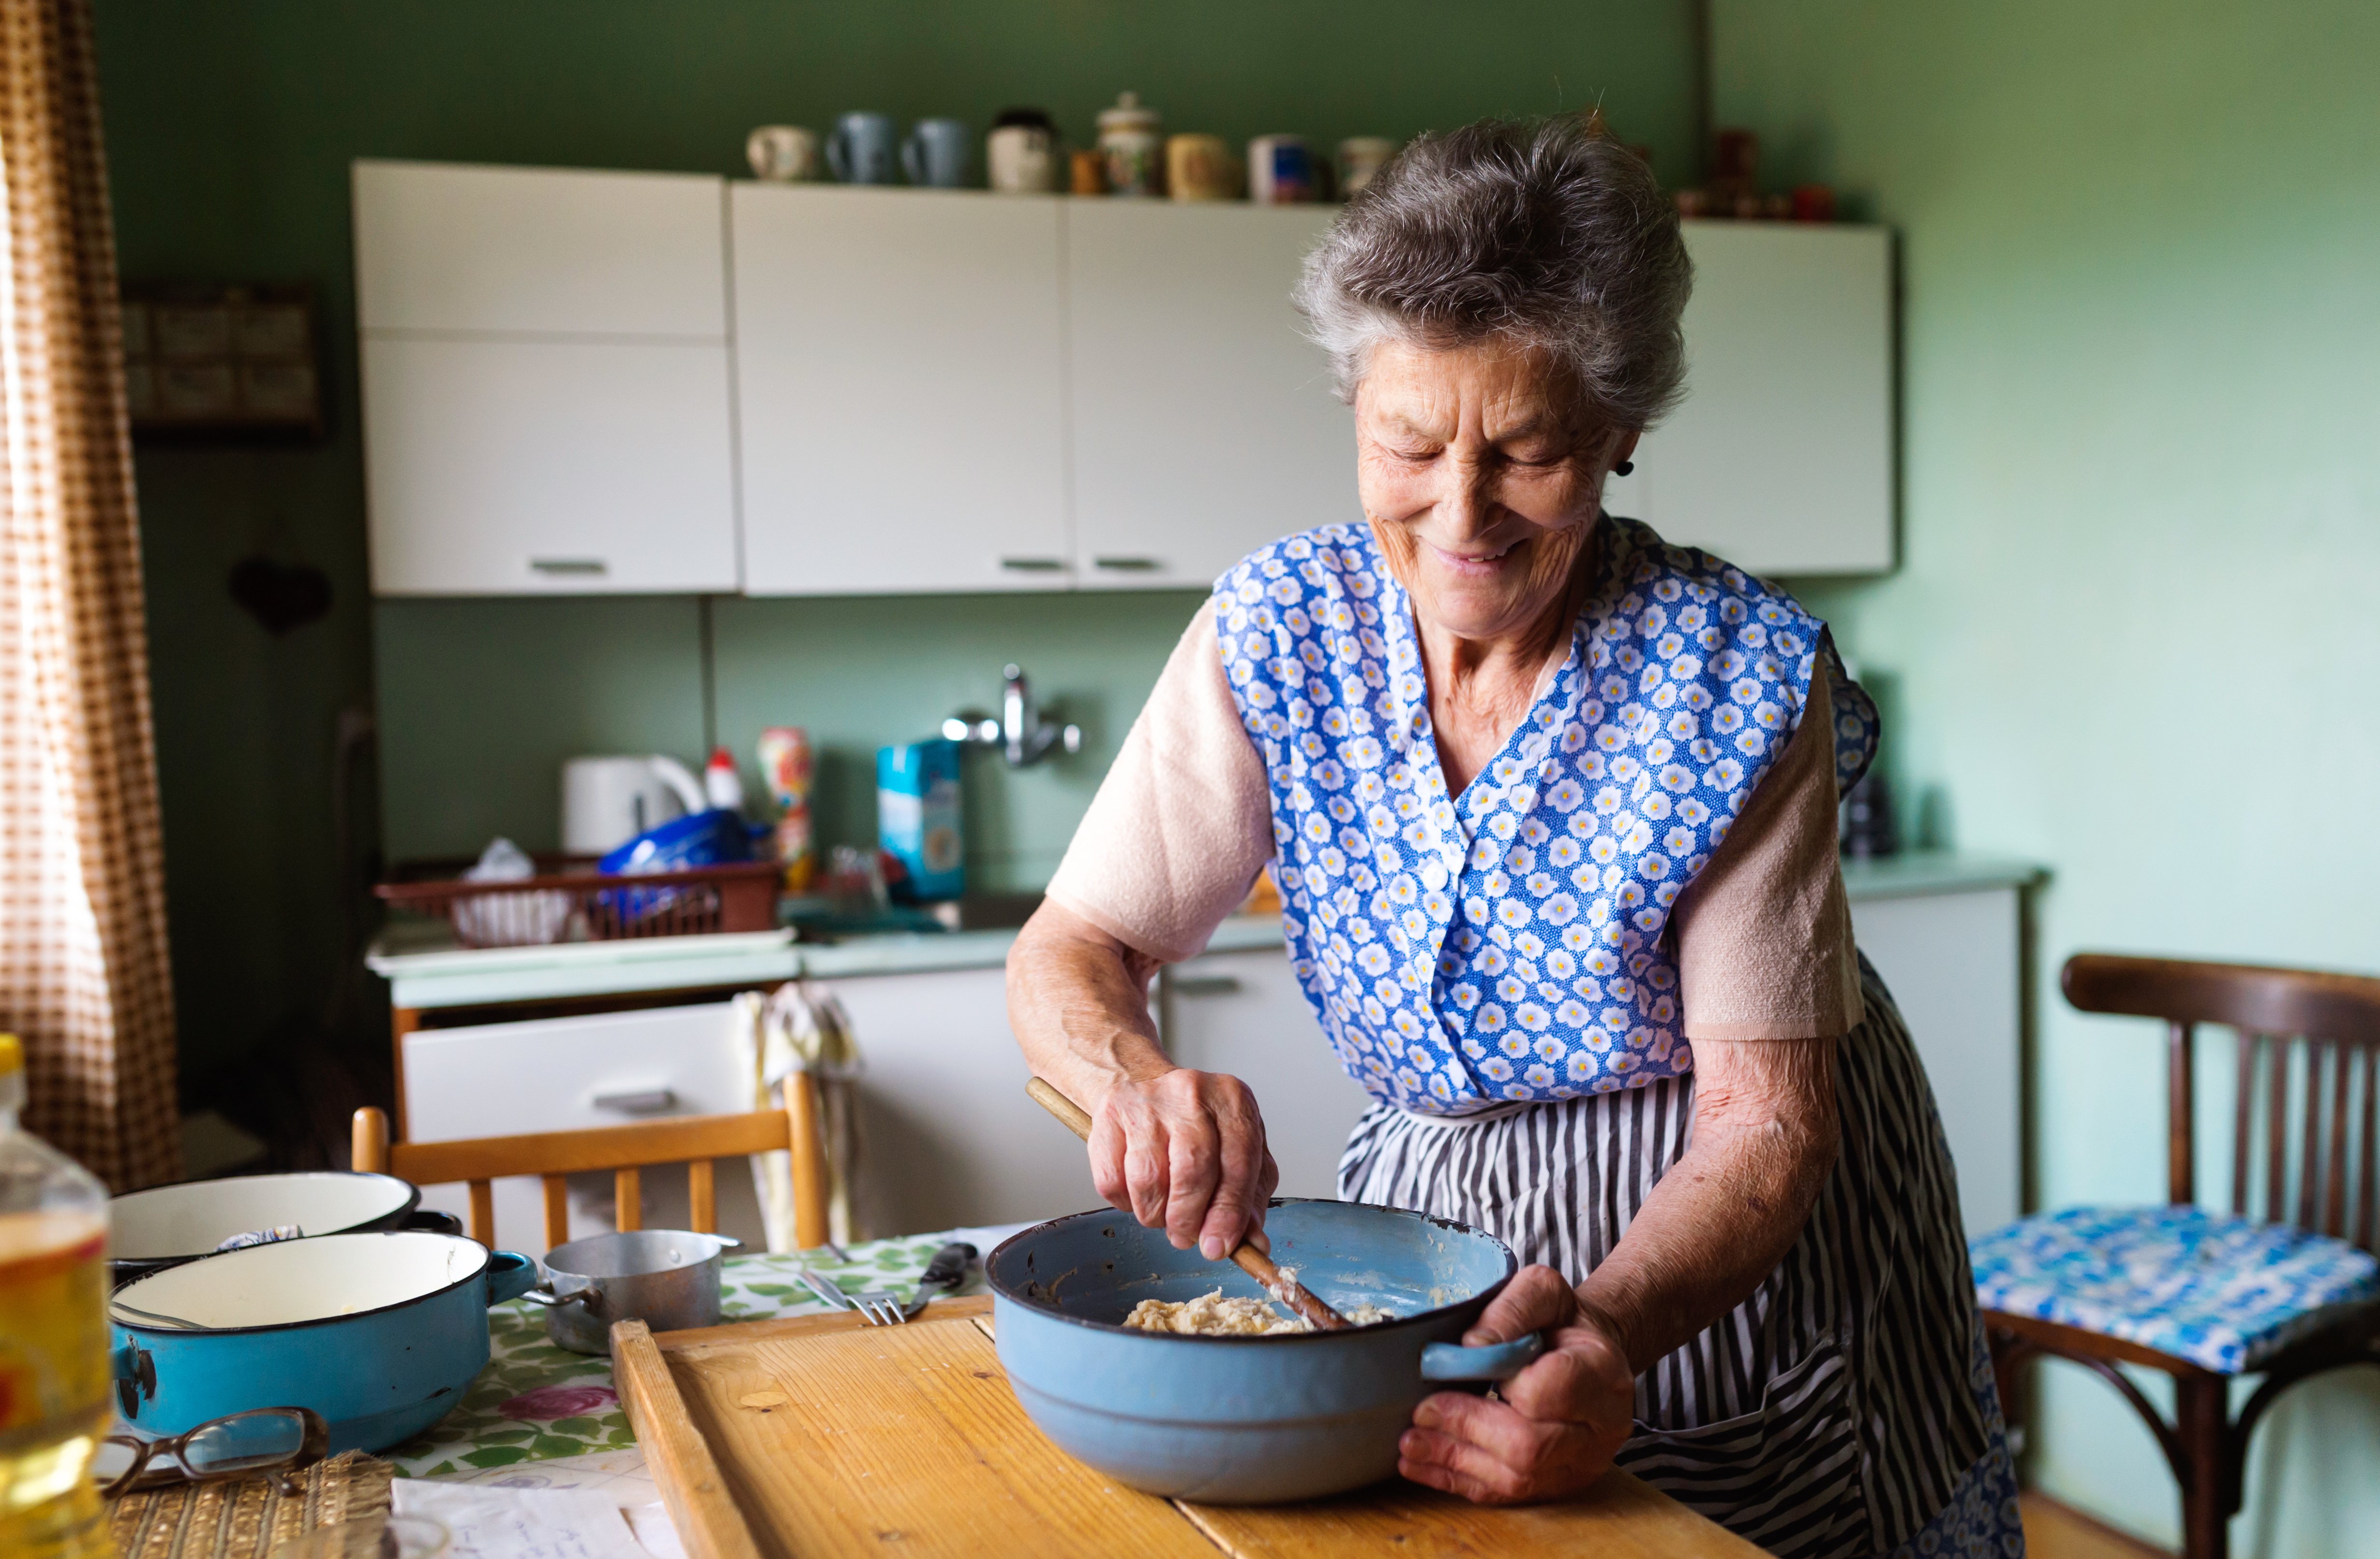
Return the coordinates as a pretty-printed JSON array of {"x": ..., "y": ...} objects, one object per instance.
[{"x": 83, "y": 973}]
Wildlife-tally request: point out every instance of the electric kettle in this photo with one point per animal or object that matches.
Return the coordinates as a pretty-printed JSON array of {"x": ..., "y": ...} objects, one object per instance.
[{"x": 608, "y": 801}]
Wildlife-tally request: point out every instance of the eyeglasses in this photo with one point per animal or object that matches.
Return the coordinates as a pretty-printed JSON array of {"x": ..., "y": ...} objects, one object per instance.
[{"x": 273, "y": 1441}]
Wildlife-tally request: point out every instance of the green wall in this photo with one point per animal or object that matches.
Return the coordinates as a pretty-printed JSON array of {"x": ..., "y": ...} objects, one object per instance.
[
  {"x": 230, "y": 129},
  {"x": 2134, "y": 630}
]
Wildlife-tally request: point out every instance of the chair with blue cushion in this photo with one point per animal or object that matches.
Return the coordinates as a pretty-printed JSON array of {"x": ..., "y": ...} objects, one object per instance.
[{"x": 2204, "y": 1297}]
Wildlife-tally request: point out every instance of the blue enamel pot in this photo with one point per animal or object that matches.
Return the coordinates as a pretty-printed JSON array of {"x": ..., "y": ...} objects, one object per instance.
[
  {"x": 1244, "y": 1420},
  {"x": 378, "y": 1332}
]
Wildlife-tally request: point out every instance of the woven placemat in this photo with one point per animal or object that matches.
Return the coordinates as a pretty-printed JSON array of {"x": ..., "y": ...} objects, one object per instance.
[{"x": 248, "y": 1518}]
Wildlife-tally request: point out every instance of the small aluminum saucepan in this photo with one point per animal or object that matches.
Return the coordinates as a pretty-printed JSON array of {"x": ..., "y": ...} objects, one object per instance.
[{"x": 666, "y": 1278}]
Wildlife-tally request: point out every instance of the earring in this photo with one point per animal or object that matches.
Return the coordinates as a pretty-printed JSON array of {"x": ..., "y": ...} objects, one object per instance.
[{"x": 1624, "y": 467}]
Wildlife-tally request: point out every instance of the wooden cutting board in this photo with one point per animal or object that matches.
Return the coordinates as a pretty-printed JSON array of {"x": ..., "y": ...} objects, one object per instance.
[{"x": 820, "y": 1438}]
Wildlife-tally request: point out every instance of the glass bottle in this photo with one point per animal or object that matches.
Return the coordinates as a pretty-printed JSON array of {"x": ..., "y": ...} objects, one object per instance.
[{"x": 54, "y": 1339}]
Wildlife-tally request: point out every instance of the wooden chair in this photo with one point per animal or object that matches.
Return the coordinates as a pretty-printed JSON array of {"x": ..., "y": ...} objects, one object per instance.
[
  {"x": 626, "y": 1150},
  {"x": 2309, "y": 1099}
]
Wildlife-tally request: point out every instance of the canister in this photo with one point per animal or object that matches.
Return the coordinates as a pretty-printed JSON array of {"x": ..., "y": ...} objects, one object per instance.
[{"x": 1132, "y": 144}]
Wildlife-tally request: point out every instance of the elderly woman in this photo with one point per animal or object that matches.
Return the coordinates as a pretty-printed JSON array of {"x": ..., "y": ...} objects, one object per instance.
[{"x": 1551, "y": 804}]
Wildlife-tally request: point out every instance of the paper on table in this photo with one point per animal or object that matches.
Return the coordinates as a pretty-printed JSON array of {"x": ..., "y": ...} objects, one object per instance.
[{"x": 484, "y": 1522}]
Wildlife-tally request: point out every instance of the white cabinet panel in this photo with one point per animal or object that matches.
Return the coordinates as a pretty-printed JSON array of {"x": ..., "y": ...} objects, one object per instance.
[
  {"x": 949, "y": 1136},
  {"x": 1203, "y": 423},
  {"x": 547, "y": 466},
  {"x": 1951, "y": 961},
  {"x": 567, "y": 1074},
  {"x": 442, "y": 247},
  {"x": 1780, "y": 456},
  {"x": 1244, "y": 1013},
  {"x": 900, "y": 390}
]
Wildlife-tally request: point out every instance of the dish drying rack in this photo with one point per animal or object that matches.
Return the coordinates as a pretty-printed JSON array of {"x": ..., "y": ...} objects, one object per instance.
[{"x": 568, "y": 900}]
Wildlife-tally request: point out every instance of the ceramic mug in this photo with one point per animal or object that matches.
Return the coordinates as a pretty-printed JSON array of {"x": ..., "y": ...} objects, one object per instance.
[
  {"x": 937, "y": 153},
  {"x": 1199, "y": 167},
  {"x": 783, "y": 153},
  {"x": 1280, "y": 171},
  {"x": 863, "y": 148},
  {"x": 1021, "y": 159}
]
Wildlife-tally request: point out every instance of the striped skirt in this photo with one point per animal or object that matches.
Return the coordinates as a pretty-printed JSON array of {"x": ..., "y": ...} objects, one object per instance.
[{"x": 1846, "y": 1407}]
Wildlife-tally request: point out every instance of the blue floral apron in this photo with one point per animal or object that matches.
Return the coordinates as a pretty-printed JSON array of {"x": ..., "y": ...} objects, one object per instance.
[{"x": 1506, "y": 945}]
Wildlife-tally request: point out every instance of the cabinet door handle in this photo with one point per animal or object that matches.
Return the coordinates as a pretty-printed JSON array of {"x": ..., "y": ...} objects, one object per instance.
[
  {"x": 651, "y": 1101},
  {"x": 1129, "y": 564},
  {"x": 1034, "y": 565},
  {"x": 1205, "y": 984},
  {"x": 562, "y": 566}
]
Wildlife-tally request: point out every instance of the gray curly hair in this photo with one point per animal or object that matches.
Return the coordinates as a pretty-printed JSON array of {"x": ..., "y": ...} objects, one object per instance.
[{"x": 1539, "y": 233}]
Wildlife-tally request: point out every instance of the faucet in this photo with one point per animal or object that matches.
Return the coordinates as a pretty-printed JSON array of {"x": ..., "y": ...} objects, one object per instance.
[{"x": 1020, "y": 732}]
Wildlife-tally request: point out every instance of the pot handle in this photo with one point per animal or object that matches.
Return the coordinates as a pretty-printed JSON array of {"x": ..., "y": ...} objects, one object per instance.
[
  {"x": 510, "y": 1275},
  {"x": 1496, "y": 1361},
  {"x": 544, "y": 1295}
]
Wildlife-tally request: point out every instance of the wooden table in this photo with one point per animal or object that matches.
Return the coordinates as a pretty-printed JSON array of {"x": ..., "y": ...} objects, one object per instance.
[{"x": 819, "y": 1437}]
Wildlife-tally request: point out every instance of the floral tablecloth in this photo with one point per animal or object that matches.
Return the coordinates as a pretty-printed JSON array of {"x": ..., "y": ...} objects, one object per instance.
[{"x": 535, "y": 1402}]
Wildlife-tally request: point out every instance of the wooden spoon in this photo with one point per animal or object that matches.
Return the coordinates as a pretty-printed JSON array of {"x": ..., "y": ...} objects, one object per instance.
[{"x": 1251, "y": 1260}]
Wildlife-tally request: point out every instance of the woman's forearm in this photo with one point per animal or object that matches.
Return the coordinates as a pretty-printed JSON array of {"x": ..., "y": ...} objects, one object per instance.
[
  {"x": 1078, "y": 1004},
  {"x": 1765, "y": 1139}
]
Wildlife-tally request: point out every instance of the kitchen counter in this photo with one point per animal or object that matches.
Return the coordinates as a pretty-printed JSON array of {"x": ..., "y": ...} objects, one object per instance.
[{"x": 425, "y": 968}]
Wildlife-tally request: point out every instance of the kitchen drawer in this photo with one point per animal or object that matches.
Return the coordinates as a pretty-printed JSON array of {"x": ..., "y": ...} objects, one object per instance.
[{"x": 567, "y": 1074}]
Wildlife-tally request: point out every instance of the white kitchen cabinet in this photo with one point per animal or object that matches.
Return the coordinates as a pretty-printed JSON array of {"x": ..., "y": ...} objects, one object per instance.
[
  {"x": 569, "y": 251},
  {"x": 900, "y": 390},
  {"x": 567, "y": 1074},
  {"x": 948, "y": 1136},
  {"x": 1203, "y": 423},
  {"x": 545, "y": 365},
  {"x": 500, "y": 467},
  {"x": 1244, "y": 1013},
  {"x": 1779, "y": 458},
  {"x": 1951, "y": 955}
]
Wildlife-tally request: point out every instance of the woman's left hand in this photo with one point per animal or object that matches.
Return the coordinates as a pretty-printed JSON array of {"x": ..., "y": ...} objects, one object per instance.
[{"x": 1562, "y": 1418}]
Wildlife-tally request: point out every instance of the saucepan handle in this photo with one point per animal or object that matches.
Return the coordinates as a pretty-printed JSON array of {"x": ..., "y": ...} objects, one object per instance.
[
  {"x": 1496, "y": 1361},
  {"x": 510, "y": 1275},
  {"x": 544, "y": 1295}
]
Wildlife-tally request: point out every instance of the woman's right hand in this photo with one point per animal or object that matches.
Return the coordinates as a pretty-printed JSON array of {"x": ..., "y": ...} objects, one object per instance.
[{"x": 1185, "y": 1151}]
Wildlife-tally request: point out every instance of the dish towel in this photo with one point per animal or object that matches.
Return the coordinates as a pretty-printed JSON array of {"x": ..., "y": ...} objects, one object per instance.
[{"x": 800, "y": 1027}]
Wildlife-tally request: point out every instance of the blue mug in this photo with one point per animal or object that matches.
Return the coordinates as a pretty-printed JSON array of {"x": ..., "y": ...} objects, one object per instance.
[
  {"x": 937, "y": 153},
  {"x": 861, "y": 150}
]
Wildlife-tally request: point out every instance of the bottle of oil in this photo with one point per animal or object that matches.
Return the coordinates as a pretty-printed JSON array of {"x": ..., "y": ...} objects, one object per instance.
[{"x": 53, "y": 1368}]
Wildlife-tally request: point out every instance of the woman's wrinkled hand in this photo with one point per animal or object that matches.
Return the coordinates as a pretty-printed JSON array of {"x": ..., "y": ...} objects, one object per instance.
[
  {"x": 1561, "y": 1421},
  {"x": 1185, "y": 1151}
]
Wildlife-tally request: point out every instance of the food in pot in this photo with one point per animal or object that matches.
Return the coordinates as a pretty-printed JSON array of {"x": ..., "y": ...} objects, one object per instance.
[{"x": 1211, "y": 1315}]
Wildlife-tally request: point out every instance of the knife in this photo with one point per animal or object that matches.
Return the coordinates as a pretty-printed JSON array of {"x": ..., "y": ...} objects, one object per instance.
[{"x": 947, "y": 1271}]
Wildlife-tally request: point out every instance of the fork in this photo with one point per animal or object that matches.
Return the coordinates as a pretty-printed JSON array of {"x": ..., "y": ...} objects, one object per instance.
[{"x": 878, "y": 1307}]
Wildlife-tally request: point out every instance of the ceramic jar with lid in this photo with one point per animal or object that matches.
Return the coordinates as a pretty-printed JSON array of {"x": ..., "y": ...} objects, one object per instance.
[{"x": 1132, "y": 144}]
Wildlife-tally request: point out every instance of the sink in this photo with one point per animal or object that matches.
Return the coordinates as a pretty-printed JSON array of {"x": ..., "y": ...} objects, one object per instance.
[
  {"x": 985, "y": 912},
  {"x": 816, "y": 921}
]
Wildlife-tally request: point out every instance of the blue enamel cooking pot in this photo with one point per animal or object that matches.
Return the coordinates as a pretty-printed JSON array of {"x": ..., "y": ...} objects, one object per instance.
[
  {"x": 378, "y": 1332},
  {"x": 1244, "y": 1420}
]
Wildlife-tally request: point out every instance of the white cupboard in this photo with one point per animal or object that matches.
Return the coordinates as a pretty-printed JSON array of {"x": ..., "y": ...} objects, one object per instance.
[
  {"x": 949, "y": 1137},
  {"x": 1245, "y": 1015},
  {"x": 900, "y": 382},
  {"x": 546, "y": 400},
  {"x": 1779, "y": 458},
  {"x": 582, "y": 382},
  {"x": 1203, "y": 423}
]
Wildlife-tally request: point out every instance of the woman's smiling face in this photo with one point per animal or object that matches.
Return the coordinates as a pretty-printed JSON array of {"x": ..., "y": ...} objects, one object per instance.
[{"x": 1479, "y": 469}]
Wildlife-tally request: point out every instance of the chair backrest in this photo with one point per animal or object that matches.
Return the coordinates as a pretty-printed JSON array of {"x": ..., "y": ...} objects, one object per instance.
[
  {"x": 625, "y": 1151},
  {"x": 2308, "y": 1046}
]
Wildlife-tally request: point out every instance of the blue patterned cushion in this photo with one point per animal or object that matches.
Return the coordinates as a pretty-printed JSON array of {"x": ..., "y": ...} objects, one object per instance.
[{"x": 2224, "y": 1293}]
